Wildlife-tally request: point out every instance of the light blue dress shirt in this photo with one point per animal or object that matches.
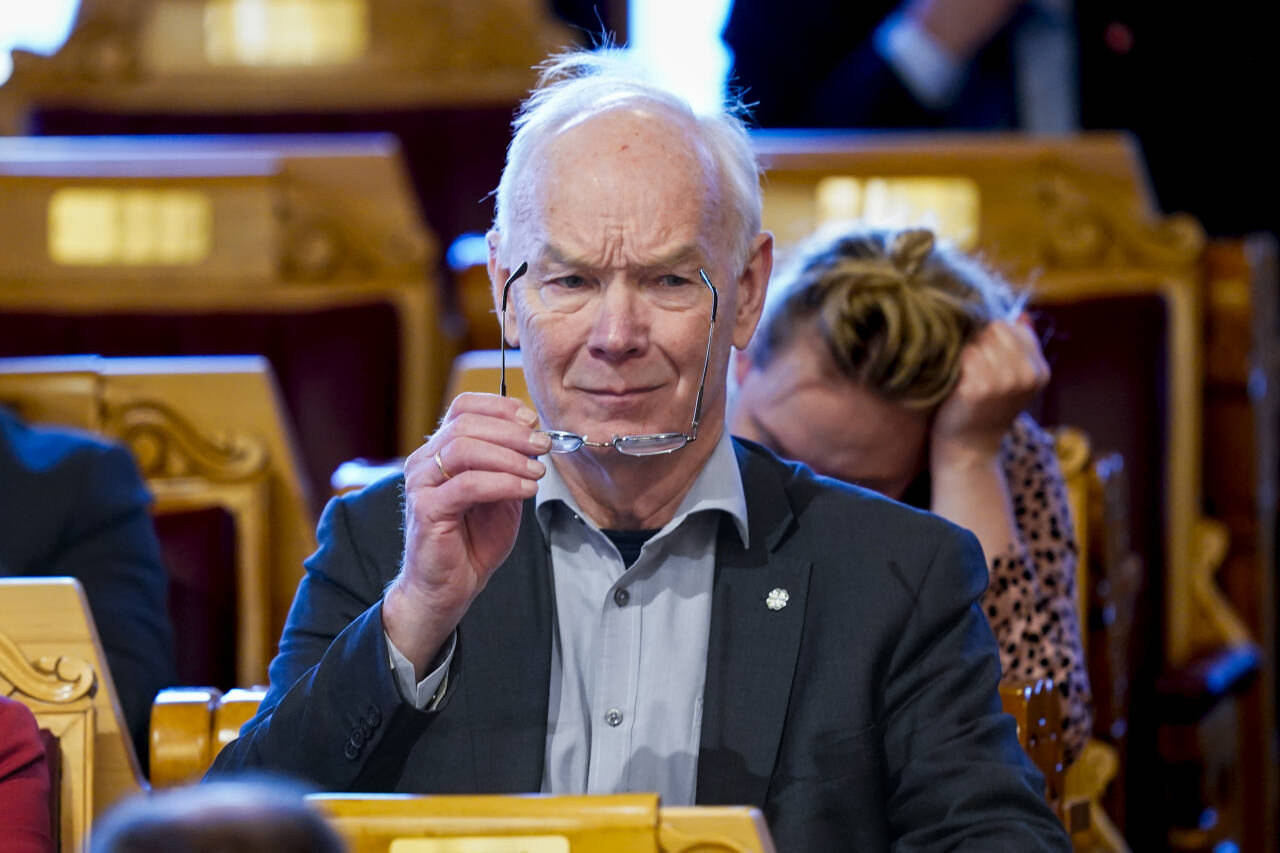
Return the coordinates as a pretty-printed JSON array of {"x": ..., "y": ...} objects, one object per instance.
[{"x": 629, "y": 646}]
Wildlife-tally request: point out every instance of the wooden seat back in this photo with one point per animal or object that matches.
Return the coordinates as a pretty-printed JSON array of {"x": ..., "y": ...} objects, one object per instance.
[
  {"x": 306, "y": 250},
  {"x": 480, "y": 371},
  {"x": 209, "y": 434},
  {"x": 603, "y": 823},
  {"x": 52, "y": 661},
  {"x": 155, "y": 57}
]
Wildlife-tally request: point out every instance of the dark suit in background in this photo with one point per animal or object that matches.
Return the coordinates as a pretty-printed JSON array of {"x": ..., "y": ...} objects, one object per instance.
[
  {"x": 865, "y": 705},
  {"x": 813, "y": 64},
  {"x": 1190, "y": 85},
  {"x": 72, "y": 504}
]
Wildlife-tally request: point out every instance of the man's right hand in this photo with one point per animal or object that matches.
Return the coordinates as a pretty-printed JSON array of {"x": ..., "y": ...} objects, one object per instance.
[{"x": 464, "y": 489}]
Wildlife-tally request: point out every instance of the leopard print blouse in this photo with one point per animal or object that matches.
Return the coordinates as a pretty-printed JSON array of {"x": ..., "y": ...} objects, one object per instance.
[{"x": 1031, "y": 597}]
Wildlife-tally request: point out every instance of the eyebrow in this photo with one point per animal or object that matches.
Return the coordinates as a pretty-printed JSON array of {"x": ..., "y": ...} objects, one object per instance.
[{"x": 688, "y": 253}]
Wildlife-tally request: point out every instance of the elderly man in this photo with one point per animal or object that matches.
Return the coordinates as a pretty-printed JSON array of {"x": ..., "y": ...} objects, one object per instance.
[{"x": 610, "y": 594}]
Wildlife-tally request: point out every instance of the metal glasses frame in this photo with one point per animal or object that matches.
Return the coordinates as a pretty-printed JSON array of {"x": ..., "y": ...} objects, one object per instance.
[{"x": 650, "y": 444}]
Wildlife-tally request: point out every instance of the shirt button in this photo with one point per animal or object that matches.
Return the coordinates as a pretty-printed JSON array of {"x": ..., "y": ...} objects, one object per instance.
[
  {"x": 621, "y": 597},
  {"x": 613, "y": 717}
]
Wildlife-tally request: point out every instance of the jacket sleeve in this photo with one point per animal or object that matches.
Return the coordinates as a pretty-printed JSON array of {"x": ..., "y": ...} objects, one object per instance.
[
  {"x": 333, "y": 709},
  {"x": 109, "y": 545},
  {"x": 1031, "y": 599},
  {"x": 24, "y": 782},
  {"x": 958, "y": 779},
  {"x": 838, "y": 78}
]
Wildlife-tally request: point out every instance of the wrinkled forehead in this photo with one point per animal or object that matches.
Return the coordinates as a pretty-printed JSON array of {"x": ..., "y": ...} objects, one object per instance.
[{"x": 622, "y": 152}]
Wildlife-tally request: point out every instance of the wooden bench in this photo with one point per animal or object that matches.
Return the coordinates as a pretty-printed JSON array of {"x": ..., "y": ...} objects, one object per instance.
[
  {"x": 210, "y": 436},
  {"x": 51, "y": 661}
]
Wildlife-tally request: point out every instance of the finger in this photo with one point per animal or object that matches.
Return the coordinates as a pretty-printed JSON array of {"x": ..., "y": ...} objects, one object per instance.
[
  {"x": 492, "y": 405},
  {"x": 469, "y": 489},
  {"x": 1016, "y": 351},
  {"x": 981, "y": 365},
  {"x": 470, "y": 454},
  {"x": 495, "y": 430},
  {"x": 1029, "y": 351}
]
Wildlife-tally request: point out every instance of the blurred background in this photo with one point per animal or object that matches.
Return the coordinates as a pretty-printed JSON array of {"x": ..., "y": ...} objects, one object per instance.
[{"x": 244, "y": 237}]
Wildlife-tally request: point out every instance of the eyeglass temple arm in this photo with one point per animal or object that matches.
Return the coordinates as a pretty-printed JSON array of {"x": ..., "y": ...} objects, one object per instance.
[
  {"x": 706, "y": 359},
  {"x": 502, "y": 332}
]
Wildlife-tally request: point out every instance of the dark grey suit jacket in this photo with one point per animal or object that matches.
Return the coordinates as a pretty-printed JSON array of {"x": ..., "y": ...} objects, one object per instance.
[{"x": 862, "y": 716}]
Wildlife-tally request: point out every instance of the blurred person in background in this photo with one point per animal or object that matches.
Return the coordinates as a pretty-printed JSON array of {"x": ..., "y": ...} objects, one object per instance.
[
  {"x": 252, "y": 815},
  {"x": 26, "y": 823},
  {"x": 72, "y": 504},
  {"x": 903, "y": 366}
]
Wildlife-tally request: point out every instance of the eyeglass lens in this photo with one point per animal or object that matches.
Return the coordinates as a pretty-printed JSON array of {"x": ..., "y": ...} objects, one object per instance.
[{"x": 561, "y": 297}]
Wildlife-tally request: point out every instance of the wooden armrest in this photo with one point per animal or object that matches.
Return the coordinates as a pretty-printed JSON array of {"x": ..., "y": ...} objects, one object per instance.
[
  {"x": 1038, "y": 713},
  {"x": 190, "y": 725}
]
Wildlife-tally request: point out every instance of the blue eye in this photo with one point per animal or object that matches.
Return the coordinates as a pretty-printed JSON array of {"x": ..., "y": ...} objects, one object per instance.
[
  {"x": 673, "y": 281},
  {"x": 572, "y": 282}
]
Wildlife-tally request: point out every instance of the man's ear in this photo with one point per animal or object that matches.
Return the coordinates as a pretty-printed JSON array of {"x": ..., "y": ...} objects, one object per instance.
[
  {"x": 752, "y": 285},
  {"x": 497, "y": 278}
]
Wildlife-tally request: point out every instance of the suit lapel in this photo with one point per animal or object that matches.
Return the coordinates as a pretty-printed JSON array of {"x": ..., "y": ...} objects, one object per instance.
[
  {"x": 752, "y": 649},
  {"x": 505, "y": 666}
]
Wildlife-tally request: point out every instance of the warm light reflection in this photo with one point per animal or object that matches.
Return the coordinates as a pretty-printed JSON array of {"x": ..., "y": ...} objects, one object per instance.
[
  {"x": 838, "y": 199},
  {"x": 285, "y": 32},
  {"x": 950, "y": 206},
  {"x": 129, "y": 227}
]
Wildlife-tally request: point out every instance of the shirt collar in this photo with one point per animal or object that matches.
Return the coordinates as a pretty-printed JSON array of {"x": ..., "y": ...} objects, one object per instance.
[{"x": 718, "y": 486}]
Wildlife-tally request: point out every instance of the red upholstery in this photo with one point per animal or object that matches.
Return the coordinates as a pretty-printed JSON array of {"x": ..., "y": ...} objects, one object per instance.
[
  {"x": 199, "y": 551},
  {"x": 1109, "y": 378}
]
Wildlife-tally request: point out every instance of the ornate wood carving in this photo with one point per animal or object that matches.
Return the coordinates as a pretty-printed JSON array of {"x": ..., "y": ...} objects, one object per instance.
[
  {"x": 1087, "y": 780},
  {"x": 1217, "y": 622},
  {"x": 156, "y": 55},
  {"x": 1081, "y": 229},
  {"x": 167, "y": 445},
  {"x": 57, "y": 680},
  {"x": 1073, "y": 450}
]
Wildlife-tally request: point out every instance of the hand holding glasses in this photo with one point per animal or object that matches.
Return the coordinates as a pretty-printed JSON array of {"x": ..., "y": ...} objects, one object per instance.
[{"x": 651, "y": 444}]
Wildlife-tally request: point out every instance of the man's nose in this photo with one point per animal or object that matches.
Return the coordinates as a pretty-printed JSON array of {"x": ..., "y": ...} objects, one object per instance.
[{"x": 620, "y": 329}]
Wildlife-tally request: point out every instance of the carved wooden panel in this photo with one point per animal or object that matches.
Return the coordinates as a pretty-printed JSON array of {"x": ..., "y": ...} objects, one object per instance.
[
  {"x": 173, "y": 56},
  {"x": 206, "y": 432},
  {"x": 50, "y": 648}
]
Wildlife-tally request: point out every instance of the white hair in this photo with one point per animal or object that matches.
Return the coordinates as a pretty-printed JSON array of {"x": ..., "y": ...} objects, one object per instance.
[{"x": 577, "y": 83}]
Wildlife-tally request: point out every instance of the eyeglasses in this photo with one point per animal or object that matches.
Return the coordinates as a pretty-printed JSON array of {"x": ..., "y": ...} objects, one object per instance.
[{"x": 651, "y": 444}]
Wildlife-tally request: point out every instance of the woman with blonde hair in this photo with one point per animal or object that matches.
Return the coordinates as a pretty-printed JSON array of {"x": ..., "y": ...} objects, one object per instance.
[{"x": 892, "y": 362}]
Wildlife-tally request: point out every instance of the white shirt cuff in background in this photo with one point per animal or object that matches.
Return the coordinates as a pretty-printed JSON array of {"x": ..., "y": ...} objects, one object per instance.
[
  {"x": 925, "y": 67},
  {"x": 426, "y": 694}
]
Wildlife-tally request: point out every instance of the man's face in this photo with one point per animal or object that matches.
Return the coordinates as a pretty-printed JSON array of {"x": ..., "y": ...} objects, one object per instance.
[
  {"x": 804, "y": 409},
  {"x": 617, "y": 213}
]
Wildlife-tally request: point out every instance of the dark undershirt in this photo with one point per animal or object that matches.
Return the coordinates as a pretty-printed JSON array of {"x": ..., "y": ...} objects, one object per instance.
[{"x": 629, "y": 543}]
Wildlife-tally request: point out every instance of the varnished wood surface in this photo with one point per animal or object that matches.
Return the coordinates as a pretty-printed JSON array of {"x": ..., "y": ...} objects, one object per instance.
[{"x": 48, "y": 620}]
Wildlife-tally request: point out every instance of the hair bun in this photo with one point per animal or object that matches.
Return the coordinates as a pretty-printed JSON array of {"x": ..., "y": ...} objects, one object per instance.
[{"x": 909, "y": 248}]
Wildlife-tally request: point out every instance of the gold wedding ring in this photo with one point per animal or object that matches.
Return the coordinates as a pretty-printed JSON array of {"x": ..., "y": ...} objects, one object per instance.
[{"x": 440, "y": 465}]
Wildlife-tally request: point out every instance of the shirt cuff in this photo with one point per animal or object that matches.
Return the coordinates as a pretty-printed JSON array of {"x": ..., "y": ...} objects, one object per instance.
[
  {"x": 426, "y": 694},
  {"x": 925, "y": 67}
]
